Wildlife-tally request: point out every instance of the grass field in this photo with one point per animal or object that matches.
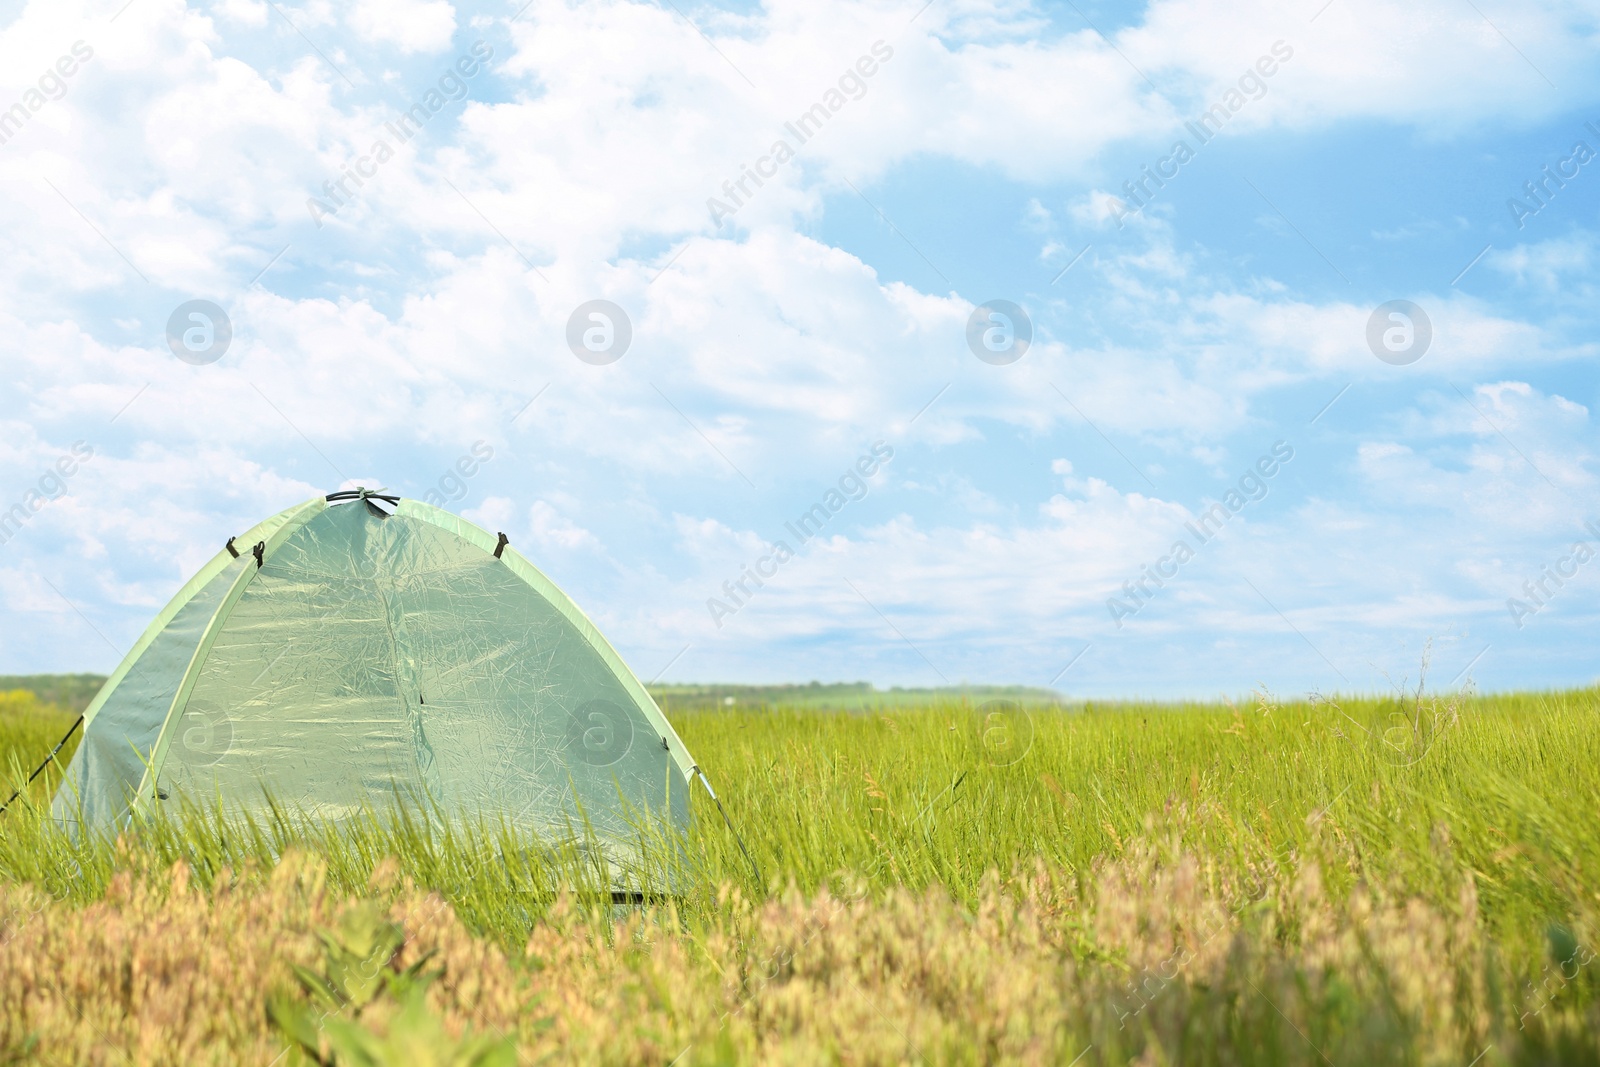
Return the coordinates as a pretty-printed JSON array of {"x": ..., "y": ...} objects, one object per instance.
[
  {"x": 30, "y": 727},
  {"x": 1351, "y": 881}
]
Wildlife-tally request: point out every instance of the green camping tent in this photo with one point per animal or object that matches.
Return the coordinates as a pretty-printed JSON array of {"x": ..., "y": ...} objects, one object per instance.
[{"x": 341, "y": 649}]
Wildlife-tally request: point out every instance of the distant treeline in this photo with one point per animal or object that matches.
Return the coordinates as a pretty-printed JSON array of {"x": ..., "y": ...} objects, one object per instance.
[
  {"x": 71, "y": 691},
  {"x": 847, "y": 696},
  {"x": 75, "y": 691}
]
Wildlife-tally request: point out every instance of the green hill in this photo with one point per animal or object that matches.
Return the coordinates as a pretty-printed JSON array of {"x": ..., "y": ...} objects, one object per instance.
[
  {"x": 71, "y": 691},
  {"x": 75, "y": 691},
  {"x": 839, "y": 696}
]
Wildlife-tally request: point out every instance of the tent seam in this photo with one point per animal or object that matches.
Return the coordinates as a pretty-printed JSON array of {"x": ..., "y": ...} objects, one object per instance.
[
  {"x": 583, "y": 624},
  {"x": 165, "y": 616},
  {"x": 218, "y": 621}
]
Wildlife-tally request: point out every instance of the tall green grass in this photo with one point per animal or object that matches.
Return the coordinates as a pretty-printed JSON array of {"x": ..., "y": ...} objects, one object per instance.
[
  {"x": 30, "y": 728},
  {"x": 1411, "y": 792},
  {"x": 1405, "y": 790},
  {"x": 1334, "y": 842}
]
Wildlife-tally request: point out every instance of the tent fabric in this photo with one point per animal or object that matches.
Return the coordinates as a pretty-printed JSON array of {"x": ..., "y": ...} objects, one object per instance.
[{"x": 368, "y": 652}]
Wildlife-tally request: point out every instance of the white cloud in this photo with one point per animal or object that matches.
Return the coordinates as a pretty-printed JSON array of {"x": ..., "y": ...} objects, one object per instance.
[
  {"x": 1435, "y": 64},
  {"x": 495, "y": 513},
  {"x": 1550, "y": 264},
  {"x": 410, "y": 324},
  {"x": 409, "y": 25},
  {"x": 551, "y": 529},
  {"x": 245, "y": 12}
]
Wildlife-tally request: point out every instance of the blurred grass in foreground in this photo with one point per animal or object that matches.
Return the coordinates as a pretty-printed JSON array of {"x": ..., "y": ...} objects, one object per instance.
[{"x": 1352, "y": 881}]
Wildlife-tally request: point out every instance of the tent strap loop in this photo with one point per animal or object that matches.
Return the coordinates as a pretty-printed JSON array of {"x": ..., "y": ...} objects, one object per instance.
[
  {"x": 362, "y": 493},
  {"x": 729, "y": 823},
  {"x": 70, "y": 731}
]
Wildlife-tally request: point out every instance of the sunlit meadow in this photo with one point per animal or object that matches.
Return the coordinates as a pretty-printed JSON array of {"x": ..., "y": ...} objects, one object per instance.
[{"x": 1408, "y": 880}]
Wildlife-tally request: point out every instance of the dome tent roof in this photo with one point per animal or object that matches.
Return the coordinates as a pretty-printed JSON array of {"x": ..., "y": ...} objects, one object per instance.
[{"x": 336, "y": 651}]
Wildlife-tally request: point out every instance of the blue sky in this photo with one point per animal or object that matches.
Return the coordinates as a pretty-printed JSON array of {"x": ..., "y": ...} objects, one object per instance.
[{"x": 983, "y": 158}]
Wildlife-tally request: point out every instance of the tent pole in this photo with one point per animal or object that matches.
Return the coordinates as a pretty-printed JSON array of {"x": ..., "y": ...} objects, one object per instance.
[
  {"x": 729, "y": 823},
  {"x": 70, "y": 731}
]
